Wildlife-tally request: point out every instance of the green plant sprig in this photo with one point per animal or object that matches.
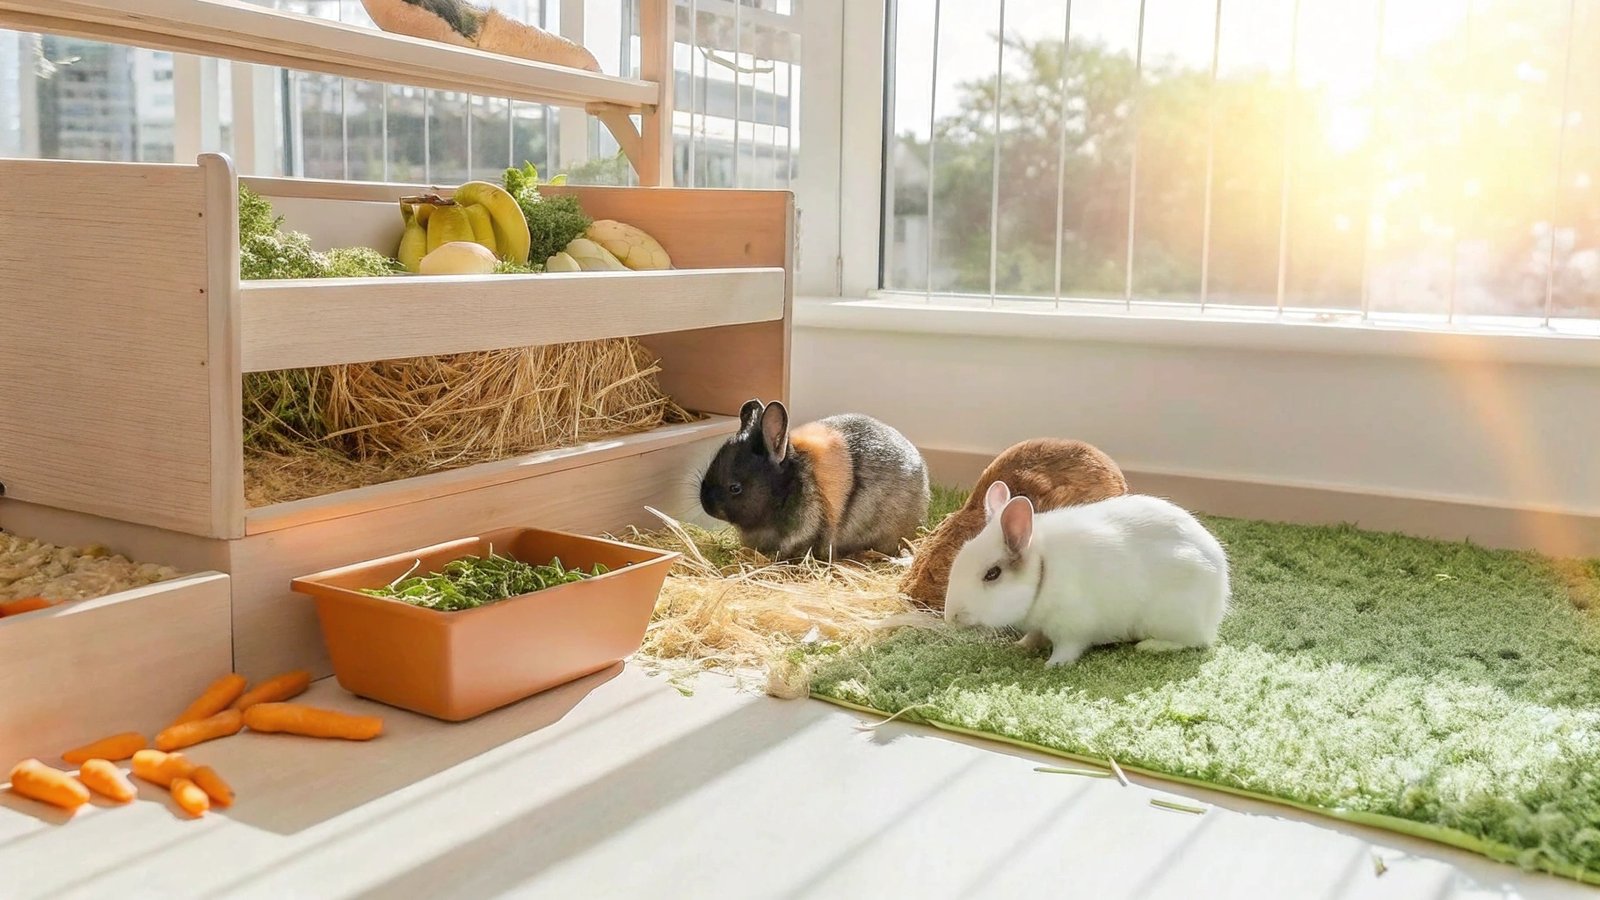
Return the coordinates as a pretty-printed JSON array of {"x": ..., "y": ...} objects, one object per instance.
[{"x": 475, "y": 581}]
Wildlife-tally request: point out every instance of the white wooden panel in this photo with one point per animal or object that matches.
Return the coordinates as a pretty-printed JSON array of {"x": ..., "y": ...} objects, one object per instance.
[{"x": 131, "y": 661}]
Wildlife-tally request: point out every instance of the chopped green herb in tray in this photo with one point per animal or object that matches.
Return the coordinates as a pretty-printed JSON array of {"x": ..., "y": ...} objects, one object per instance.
[{"x": 476, "y": 580}]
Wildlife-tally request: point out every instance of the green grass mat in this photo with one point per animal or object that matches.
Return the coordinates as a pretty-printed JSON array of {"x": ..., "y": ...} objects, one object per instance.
[{"x": 1434, "y": 689}]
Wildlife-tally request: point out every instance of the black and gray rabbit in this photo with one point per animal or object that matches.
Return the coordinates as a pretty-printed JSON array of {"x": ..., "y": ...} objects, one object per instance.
[{"x": 836, "y": 487}]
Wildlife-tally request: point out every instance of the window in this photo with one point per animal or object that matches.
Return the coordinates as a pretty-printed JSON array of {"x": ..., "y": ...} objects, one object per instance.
[
  {"x": 1353, "y": 158},
  {"x": 737, "y": 85},
  {"x": 736, "y": 121}
]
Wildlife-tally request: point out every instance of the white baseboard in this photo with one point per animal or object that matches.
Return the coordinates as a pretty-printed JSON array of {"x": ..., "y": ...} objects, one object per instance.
[{"x": 1555, "y": 533}]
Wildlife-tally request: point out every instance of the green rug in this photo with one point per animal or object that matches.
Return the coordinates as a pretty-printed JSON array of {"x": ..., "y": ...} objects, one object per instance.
[{"x": 1434, "y": 689}]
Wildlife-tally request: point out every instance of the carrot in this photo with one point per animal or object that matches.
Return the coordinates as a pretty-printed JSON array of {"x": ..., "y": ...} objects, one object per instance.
[
  {"x": 105, "y": 779},
  {"x": 161, "y": 768},
  {"x": 34, "y": 779},
  {"x": 224, "y": 723},
  {"x": 112, "y": 749},
  {"x": 275, "y": 690},
  {"x": 311, "y": 722},
  {"x": 24, "y": 604},
  {"x": 190, "y": 798},
  {"x": 217, "y": 697},
  {"x": 221, "y": 795}
]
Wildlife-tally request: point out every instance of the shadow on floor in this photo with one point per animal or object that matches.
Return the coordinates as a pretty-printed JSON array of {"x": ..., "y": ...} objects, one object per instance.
[
  {"x": 518, "y": 850},
  {"x": 295, "y": 791}
]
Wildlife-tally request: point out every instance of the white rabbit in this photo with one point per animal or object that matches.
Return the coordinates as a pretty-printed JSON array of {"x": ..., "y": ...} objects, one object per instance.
[{"x": 1129, "y": 568}]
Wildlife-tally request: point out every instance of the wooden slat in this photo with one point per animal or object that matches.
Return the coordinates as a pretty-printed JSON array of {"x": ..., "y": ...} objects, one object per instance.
[
  {"x": 105, "y": 344},
  {"x": 426, "y": 487},
  {"x": 226, "y": 434},
  {"x": 320, "y": 322},
  {"x": 231, "y": 29},
  {"x": 127, "y": 662},
  {"x": 276, "y": 630},
  {"x": 657, "y": 36}
]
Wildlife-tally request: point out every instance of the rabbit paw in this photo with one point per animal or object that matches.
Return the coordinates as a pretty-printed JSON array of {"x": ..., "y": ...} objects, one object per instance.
[{"x": 1065, "y": 654}]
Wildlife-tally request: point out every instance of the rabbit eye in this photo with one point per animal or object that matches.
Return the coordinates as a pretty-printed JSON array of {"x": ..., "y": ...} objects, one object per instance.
[
  {"x": 993, "y": 573},
  {"x": 735, "y": 489}
]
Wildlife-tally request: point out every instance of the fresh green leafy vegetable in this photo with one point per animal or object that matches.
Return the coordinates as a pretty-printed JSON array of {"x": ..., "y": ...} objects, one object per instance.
[
  {"x": 552, "y": 221},
  {"x": 267, "y": 251},
  {"x": 475, "y": 581}
]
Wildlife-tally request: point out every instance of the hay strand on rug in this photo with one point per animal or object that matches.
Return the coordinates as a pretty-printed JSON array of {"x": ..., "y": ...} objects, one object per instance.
[{"x": 727, "y": 607}]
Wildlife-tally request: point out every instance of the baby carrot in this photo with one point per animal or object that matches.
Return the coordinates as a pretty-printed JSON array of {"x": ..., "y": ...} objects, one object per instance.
[
  {"x": 275, "y": 690},
  {"x": 114, "y": 748},
  {"x": 24, "y": 604},
  {"x": 217, "y": 697},
  {"x": 105, "y": 779},
  {"x": 34, "y": 779},
  {"x": 311, "y": 722},
  {"x": 189, "y": 797},
  {"x": 209, "y": 781},
  {"x": 161, "y": 768},
  {"x": 224, "y": 723}
]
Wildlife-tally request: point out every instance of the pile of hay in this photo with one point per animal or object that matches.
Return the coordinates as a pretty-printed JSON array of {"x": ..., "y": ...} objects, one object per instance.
[
  {"x": 310, "y": 432},
  {"x": 725, "y": 607}
]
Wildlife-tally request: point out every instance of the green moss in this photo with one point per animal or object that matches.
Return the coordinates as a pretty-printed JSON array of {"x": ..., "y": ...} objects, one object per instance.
[{"x": 1373, "y": 674}]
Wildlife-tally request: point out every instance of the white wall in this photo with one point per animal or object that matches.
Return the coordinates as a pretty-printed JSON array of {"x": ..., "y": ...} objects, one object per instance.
[{"x": 1497, "y": 433}]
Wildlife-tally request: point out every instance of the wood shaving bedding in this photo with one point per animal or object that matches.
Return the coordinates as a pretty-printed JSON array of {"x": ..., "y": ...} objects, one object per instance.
[{"x": 30, "y": 568}]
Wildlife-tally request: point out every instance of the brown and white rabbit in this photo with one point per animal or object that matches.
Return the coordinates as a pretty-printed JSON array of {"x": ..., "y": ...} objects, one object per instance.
[
  {"x": 1050, "y": 472},
  {"x": 835, "y": 487}
]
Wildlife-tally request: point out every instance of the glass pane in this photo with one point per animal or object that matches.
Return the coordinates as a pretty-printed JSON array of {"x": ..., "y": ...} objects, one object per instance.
[
  {"x": 447, "y": 137},
  {"x": 963, "y": 146},
  {"x": 1174, "y": 126},
  {"x": 320, "y": 115},
  {"x": 908, "y": 114},
  {"x": 1513, "y": 81},
  {"x": 1330, "y": 171},
  {"x": 1420, "y": 157},
  {"x": 1576, "y": 287},
  {"x": 1030, "y": 147},
  {"x": 491, "y": 138},
  {"x": 407, "y": 150},
  {"x": 1253, "y": 61},
  {"x": 530, "y": 135},
  {"x": 1101, "y": 74},
  {"x": 364, "y": 127}
]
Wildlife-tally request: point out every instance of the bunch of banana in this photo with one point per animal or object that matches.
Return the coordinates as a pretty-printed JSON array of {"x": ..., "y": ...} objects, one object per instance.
[
  {"x": 479, "y": 212},
  {"x": 610, "y": 246}
]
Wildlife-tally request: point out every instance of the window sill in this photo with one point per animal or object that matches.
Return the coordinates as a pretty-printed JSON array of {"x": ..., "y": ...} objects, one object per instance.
[{"x": 1565, "y": 343}]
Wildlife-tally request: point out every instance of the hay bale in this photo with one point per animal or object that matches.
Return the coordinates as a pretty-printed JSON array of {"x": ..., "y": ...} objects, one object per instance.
[{"x": 314, "y": 431}]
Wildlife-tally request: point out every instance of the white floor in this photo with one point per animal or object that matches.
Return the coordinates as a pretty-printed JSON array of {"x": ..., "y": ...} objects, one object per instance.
[{"x": 619, "y": 786}]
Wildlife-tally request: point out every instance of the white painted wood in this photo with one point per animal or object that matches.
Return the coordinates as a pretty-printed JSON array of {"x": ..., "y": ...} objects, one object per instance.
[
  {"x": 618, "y": 786},
  {"x": 106, "y": 345},
  {"x": 233, "y": 29},
  {"x": 276, "y": 630},
  {"x": 131, "y": 661},
  {"x": 425, "y": 487},
  {"x": 362, "y": 319}
]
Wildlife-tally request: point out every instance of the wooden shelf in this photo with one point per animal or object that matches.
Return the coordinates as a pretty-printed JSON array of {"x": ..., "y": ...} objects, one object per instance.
[
  {"x": 231, "y": 29},
  {"x": 331, "y": 321},
  {"x": 455, "y": 481}
]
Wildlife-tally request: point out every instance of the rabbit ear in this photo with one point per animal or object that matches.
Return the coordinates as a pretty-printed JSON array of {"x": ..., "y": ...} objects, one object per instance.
[
  {"x": 997, "y": 497},
  {"x": 1016, "y": 525},
  {"x": 749, "y": 414},
  {"x": 775, "y": 431}
]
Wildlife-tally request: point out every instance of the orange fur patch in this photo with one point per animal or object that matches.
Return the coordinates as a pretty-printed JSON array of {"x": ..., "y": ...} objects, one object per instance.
[{"x": 830, "y": 463}]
